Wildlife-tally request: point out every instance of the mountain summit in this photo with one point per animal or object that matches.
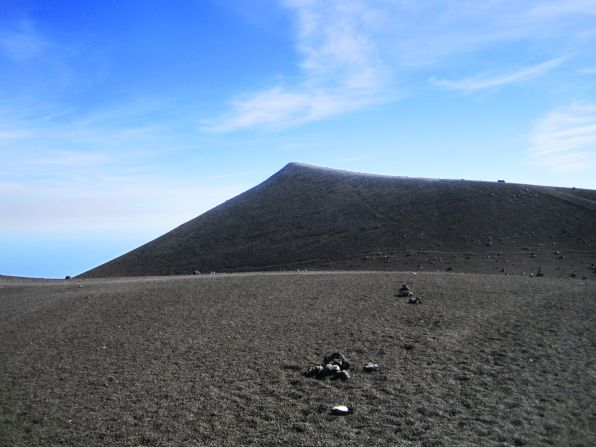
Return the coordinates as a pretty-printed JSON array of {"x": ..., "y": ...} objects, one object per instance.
[{"x": 307, "y": 217}]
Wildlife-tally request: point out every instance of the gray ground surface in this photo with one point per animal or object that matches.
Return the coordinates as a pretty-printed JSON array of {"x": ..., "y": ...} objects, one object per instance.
[{"x": 217, "y": 360}]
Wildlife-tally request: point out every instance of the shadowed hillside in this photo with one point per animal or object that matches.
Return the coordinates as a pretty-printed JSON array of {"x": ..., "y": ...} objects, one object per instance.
[{"x": 316, "y": 218}]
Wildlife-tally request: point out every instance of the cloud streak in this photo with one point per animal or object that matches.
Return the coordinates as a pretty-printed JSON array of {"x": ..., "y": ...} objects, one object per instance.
[
  {"x": 35, "y": 142},
  {"x": 483, "y": 82},
  {"x": 341, "y": 70},
  {"x": 565, "y": 139},
  {"x": 353, "y": 54},
  {"x": 22, "y": 42}
]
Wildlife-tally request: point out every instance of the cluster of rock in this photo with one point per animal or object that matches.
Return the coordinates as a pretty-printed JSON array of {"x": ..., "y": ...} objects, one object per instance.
[
  {"x": 334, "y": 366},
  {"x": 405, "y": 292}
]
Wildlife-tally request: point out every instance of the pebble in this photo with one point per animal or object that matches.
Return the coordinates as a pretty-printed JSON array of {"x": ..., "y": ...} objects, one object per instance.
[
  {"x": 340, "y": 410},
  {"x": 371, "y": 367}
]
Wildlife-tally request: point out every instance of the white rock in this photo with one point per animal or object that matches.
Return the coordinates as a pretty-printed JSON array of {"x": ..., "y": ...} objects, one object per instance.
[
  {"x": 340, "y": 410},
  {"x": 333, "y": 368},
  {"x": 370, "y": 367}
]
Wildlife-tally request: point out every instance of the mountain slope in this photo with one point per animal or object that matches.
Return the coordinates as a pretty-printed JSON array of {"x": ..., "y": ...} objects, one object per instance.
[{"x": 310, "y": 217}]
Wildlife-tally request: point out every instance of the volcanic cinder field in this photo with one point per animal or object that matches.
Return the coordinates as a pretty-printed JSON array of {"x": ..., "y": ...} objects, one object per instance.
[{"x": 141, "y": 351}]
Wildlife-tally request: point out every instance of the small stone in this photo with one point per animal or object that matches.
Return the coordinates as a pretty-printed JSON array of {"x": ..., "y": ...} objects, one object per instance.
[
  {"x": 67, "y": 277},
  {"x": 371, "y": 367},
  {"x": 340, "y": 410},
  {"x": 415, "y": 300}
]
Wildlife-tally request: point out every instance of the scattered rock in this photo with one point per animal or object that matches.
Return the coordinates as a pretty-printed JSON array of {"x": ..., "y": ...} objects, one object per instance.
[
  {"x": 414, "y": 300},
  {"x": 196, "y": 272},
  {"x": 334, "y": 365}
]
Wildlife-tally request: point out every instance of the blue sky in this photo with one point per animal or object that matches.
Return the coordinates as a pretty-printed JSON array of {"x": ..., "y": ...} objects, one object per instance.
[{"x": 120, "y": 120}]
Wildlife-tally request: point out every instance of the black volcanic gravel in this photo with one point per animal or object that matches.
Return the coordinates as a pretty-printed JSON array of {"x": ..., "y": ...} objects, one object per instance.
[{"x": 218, "y": 360}]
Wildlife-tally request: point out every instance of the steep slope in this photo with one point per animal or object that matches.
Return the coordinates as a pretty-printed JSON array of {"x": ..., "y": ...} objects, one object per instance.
[{"x": 310, "y": 217}]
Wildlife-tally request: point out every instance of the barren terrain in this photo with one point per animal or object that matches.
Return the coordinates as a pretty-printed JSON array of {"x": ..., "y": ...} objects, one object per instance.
[
  {"x": 218, "y": 360},
  {"x": 501, "y": 351}
]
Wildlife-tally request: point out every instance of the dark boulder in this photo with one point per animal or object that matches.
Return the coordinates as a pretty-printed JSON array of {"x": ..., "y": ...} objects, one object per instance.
[{"x": 404, "y": 291}]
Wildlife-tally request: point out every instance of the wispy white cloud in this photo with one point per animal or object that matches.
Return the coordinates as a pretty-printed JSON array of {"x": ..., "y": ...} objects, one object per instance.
[
  {"x": 106, "y": 169},
  {"x": 353, "y": 53},
  {"x": 482, "y": 82},
  {"x": 69, "y": 159},
  {"x": 22, "y": 41},
  {"x": 7, "y": 135},
  {"x": 341, "y": 67},
  {"x": 565, "y": 139},
  {"x": 557, "y": 8},
  {"x": 278, "y": 108},
  {"x": 86, "y": 149}
]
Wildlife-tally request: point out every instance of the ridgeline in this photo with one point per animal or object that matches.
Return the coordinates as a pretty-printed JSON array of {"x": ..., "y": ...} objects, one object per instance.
[{"x": 306, "y": 217}]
